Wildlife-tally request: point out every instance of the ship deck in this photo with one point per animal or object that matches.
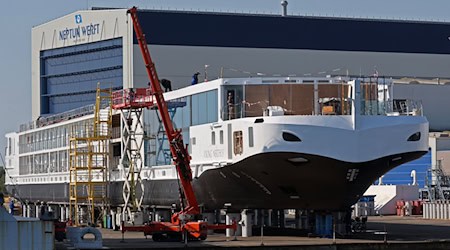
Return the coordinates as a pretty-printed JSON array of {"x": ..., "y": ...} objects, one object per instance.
[{"x": 402, "y": 233}]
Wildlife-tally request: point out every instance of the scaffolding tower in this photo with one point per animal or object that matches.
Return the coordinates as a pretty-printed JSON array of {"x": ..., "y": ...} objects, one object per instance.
[{"x": 88, "y": 163}]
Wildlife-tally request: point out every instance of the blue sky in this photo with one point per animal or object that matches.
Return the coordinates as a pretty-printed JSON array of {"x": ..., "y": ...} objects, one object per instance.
[{"x": 18, "y": 17}]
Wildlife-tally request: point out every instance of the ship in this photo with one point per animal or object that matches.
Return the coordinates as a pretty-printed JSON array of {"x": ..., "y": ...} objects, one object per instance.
[
  {"x": 317, "y": 149},
  {"x": 256, "y": 142}
]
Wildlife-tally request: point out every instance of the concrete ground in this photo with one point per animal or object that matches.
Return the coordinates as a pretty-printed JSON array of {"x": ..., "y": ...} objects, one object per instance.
[{"x": 402, "y": 233}]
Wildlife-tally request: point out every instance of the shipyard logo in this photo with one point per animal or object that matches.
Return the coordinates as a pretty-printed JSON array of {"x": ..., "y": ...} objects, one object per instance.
[
  {"x": 78, "y": 19},
  {"x": 80, "y": 32}
]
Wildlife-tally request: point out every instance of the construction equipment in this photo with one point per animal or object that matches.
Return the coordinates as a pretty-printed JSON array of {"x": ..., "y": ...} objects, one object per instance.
[
  {"x": 187, "y": 222},
  {"x": 88, "y": 161},
  {"x": 132, "y": 142}
]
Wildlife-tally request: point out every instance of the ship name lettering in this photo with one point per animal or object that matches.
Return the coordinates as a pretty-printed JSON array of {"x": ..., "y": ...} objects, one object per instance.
[{"x": 216, "y": 153}]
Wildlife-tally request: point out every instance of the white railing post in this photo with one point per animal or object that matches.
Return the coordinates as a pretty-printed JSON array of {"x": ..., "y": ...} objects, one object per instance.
[{"x": 356, "y": 104}]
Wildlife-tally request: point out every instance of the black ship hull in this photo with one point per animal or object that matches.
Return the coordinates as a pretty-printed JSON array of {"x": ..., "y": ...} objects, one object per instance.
[{"x": 266, "y": 180}]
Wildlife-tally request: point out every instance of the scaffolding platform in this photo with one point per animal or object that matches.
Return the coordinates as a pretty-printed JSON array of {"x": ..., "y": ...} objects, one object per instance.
[{"x": 133, "y": 98}]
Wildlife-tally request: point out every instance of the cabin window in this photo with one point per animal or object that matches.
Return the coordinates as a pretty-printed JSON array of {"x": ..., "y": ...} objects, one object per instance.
[
  {"x": 193, "y": 140},
  {"x": 204, "y": 107},
  {"x": 232, "y": 99},
  {"x": 23, "y": 169},
  {"x": 221, "y": 136},
  {"x": 250, "y": 137},
  {"x": 117, "y": 151},
  {"x": 238, "y": 144},
  {"x": 213, "y": 138}
]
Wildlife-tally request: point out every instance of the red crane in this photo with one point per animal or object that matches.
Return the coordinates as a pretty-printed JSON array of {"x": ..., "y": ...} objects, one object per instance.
[
  {"x": 179, "y": 152},
  {"x": 185, "y": 221}
]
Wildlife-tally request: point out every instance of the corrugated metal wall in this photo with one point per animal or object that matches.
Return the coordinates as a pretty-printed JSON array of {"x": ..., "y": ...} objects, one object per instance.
[{"x": 25, "y": 233}]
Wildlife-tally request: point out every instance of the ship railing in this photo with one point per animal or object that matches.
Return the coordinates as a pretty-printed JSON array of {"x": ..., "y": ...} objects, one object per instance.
[
  {"x": 403, "y": 107},
  {"x": 71, "y": 114},
  {"x": 325, "y": 106},
  {"x": 27, "y": 126},
  {"x": 52, "y": 119},
  {"x": 132, "y": 98}
]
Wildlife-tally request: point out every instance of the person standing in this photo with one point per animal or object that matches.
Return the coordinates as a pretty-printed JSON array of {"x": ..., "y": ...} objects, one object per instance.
[
  {"x": 230, "y": 104},
  {"x": 408, "y": 208},
  {"x": 167, "y": 84},
  {"x": 195, "y": 78},
  {"x": 43, "y": 209},
  {"x": 11, "y": 206}
]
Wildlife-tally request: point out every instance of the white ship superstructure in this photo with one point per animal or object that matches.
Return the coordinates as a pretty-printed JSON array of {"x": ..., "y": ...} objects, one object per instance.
[{"x": 275, "y": 142}]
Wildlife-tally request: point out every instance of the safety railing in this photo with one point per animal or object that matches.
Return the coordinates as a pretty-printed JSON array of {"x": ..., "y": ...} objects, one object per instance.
[
  {"x": 392, "y": 108},
  {"x": 132, "y": 98},
  {"x": 326, "y": 106},
  {"x": 52, "y": 119}
]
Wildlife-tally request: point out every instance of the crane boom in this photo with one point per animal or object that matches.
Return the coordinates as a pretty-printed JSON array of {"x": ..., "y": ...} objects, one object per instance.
[
  {"x": 188, "y": 221},
  {"x": 180, "y": 154}
]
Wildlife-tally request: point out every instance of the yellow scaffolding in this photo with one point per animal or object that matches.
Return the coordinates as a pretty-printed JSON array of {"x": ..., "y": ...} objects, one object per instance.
[{"x": 89, "y": 156}]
